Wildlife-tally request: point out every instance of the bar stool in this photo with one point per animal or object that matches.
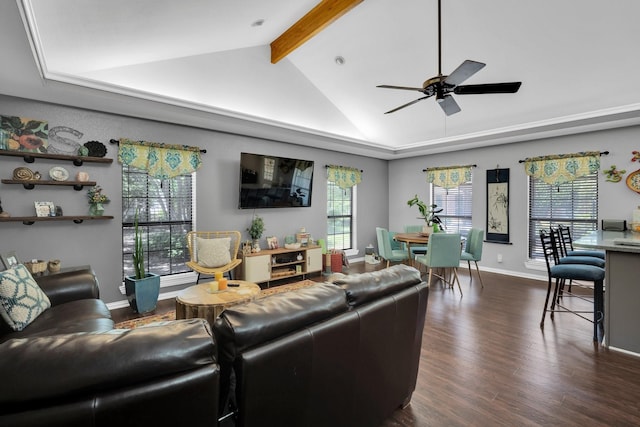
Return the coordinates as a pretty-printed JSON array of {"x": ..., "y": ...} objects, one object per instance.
[
  {"x": 566, "y": 243},
  {"x": 560, "y": 273}
]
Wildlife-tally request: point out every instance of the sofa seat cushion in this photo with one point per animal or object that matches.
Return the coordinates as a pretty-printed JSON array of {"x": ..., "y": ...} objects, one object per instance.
[
  {"x": 87, "y": 315},
  {"x": 365, "y": 287},
  {"x": 21, "y": 299},
  {"x": 244, "y": 326}
]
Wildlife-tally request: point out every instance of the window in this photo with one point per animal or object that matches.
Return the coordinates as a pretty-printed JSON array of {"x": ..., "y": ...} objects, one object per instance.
[
  {"x": 574, "y": 204},
  {"x": 165, "y": 215},
  {"x": 457, "y": 204},
  {"x": 339, "y": 216}
]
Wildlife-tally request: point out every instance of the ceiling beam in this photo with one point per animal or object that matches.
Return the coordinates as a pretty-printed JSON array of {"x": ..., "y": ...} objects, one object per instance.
[{"x": 309, "y": 25}]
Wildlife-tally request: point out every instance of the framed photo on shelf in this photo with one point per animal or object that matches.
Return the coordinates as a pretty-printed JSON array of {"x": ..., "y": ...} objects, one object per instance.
[
  {"x": 44, "y": 208},
  {"x": 9, "y": 260},
  {"x": 272, "y": 242}
]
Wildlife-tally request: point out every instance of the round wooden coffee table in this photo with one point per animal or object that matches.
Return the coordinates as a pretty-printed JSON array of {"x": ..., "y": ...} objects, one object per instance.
[{"x": 198, "y": 302}]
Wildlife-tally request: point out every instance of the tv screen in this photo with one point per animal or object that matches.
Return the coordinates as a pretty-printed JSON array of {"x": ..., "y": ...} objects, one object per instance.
[{"x": 274, "y": 182}]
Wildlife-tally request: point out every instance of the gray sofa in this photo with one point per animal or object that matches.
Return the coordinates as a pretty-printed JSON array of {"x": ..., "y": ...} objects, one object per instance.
[{"x": 344, "y": 355}]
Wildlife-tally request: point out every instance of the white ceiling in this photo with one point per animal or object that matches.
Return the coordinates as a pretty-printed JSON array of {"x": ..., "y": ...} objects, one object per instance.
[{"x": 578, "y": 61}]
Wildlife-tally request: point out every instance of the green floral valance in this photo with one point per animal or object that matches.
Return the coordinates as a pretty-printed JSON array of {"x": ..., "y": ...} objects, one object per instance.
[
  {"x": 343, "y": 176},
  {"x": 161, "y": 161},
  {"x": 562, "y": 168},
  {"x": 449, "y": 176}
]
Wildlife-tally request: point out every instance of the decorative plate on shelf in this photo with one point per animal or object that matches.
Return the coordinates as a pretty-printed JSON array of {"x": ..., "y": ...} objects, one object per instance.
[
  {"x": 633, "y": 181},
  {"x": 58, "y": 173},
  {"x": 96, "y": 148}
]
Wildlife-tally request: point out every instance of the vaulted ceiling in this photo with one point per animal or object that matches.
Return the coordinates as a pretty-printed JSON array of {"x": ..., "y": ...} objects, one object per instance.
[{"x": 577, "y": 61}]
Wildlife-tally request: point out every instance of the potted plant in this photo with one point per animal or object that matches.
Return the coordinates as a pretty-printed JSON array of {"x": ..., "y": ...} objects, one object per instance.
[
  {"x": 143, "y": 288},
  {"x": 428, "y": 213},
  {"x": 255, "y": 231}
]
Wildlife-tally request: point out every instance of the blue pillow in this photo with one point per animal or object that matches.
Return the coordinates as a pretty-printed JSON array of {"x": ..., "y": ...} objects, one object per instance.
[{"x": 21, "y": 299}]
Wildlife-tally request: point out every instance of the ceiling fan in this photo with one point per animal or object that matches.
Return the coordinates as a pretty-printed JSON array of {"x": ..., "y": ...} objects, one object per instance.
[{"x": 443, "y": 86}]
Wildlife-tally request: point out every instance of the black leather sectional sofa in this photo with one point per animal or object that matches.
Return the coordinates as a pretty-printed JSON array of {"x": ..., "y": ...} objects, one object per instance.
[{"x": 339, "y": 354}]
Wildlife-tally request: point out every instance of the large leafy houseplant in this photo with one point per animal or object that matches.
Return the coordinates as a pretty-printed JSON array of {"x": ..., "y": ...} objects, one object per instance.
[
  {"x": 428, "y": 212},
  {"x": 143, "y": 288}
]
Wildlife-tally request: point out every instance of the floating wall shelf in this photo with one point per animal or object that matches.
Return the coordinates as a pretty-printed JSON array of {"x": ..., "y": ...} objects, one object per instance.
[
  {"x": 30, "y": 220},
  {"x": 29, "y": 157},
  {"x": 30, "y": 184}
]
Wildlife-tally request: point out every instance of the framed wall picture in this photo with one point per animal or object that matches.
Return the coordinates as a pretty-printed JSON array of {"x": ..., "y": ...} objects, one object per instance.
[
  {"x": 498, "y": 205},
  {"x": 9, "y": 260}
]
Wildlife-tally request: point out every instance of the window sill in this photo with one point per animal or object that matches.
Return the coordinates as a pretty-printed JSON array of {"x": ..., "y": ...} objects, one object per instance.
[{"x": 534, "y": 264}]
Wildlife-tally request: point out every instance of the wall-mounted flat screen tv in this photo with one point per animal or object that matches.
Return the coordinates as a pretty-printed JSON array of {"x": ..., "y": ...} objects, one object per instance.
[{"x": 274, "y": 182}]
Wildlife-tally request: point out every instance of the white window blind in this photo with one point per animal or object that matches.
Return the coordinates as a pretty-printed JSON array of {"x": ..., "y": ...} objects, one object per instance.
[
  {"x": 573, "y": 204},
  {"x": 457, "y": 205}
]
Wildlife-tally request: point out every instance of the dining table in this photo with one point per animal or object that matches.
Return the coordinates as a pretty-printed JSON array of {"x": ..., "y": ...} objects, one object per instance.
[{"x": 412, "y": 238}]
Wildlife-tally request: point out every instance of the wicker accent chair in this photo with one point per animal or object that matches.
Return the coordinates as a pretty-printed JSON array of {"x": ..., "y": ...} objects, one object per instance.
[{"x": 207, "y": 255}]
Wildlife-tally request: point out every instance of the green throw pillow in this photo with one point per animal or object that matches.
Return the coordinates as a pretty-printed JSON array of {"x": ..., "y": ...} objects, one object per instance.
[{"x": 21, "y": 299}]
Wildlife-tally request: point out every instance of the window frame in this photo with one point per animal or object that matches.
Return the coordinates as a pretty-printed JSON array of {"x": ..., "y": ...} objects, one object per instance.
[
  {"x": 351, "y": 250},
  {"x": 183, "y": 275}
]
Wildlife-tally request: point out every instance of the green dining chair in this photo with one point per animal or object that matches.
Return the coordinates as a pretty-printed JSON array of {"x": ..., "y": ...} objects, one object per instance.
[
  {"x": 415, "y": 250},
  {"x": 386, "y": 251},
  {"x": 443, "y": 251},
  {"x": 473, "y": 250}
]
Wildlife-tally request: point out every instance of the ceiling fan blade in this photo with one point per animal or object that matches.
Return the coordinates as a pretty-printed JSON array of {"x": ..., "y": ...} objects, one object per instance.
[
  {"x": 449, "y": 105},
  {"x": 400, "y": 87},
  {"x": 511, "y": 87},
  {"x": 407, "y": 104},
  {"x": 465, "y": 70}
]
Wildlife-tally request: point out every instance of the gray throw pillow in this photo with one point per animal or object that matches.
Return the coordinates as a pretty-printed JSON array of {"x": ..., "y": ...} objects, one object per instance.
[{"x": 213, "y": 253}]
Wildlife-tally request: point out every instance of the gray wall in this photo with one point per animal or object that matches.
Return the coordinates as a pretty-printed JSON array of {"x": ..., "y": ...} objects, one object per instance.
[
  {"x": 99, "y": 242},
  {"x": 381, "y": 196},
  {"x": 615, "y": 199}
]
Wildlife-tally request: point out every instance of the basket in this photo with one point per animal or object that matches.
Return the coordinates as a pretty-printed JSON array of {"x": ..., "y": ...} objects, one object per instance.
[{"x": 36, "y": 267}]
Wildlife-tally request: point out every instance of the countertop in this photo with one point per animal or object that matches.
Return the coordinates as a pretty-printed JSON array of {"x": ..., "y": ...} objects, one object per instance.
[{"x": 606, "y": 240}]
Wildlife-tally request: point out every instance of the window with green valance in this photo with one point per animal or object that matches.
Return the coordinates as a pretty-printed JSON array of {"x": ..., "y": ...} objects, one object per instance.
[
  {"x": 162, "y": 161},
  {"x": 343, "y": 176},
  {"x": 449, "y": 176},
  {"x": 562, "y": 168}
]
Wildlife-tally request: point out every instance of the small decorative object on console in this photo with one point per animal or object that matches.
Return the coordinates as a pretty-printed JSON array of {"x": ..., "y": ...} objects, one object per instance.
[
  {"x": 53, "y": 266},
  {"x": 36, "y": 266}
]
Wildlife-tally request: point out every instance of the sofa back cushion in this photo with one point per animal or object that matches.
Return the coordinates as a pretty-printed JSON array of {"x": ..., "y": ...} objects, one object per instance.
[
  {"x": 21, "y": 299},
  {"x": 365, "y": 287},
  {"x": 241, "y": 327}
]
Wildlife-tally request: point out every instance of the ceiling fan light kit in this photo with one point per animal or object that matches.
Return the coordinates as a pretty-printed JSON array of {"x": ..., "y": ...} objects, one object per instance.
[{"x": 443, "y": 86}]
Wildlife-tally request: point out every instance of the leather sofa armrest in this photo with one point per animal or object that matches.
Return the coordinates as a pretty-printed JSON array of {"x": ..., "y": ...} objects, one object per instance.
[
  {"x": 64, "y": 366},
  {"x": 80, "y": 283}
]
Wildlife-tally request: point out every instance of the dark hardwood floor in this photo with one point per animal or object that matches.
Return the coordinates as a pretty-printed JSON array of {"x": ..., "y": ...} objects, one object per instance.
[{"x": 486, "y": 362}]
